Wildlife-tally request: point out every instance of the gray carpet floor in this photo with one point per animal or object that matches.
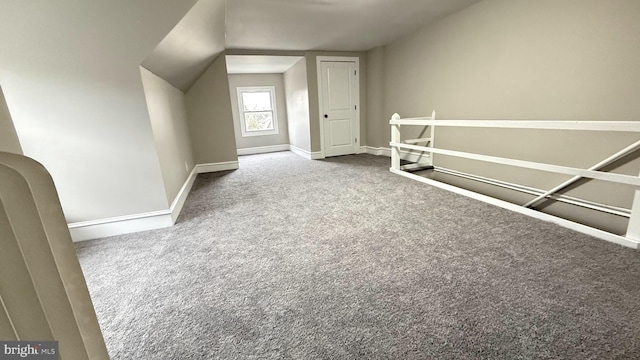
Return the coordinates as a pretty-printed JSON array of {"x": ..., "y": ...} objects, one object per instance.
[{"x": 288, "y": 258}]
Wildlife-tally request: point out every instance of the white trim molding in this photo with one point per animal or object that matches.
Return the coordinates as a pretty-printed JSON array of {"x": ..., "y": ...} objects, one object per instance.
[
  {"x": 263, "y": 149},
  {"x": 379, "y": 151},
  {"x": 221, "y": 166},
  {"x": 306, "y": 154},
  {"x": 94, "y": 229},
  {"x": 412, "y": 156},
  {"x": 271, "y": 90},
  {"x": 119, "y": 225},
  {"x": 316, "y": 155},
  {"x": 181, "y": 197}
]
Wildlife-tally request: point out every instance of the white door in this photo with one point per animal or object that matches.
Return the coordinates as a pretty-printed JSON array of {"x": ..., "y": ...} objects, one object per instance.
[{"x": 339, "y": 103}]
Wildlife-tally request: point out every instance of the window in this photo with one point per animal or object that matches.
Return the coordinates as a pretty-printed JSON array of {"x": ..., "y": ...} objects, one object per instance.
[{"x": 257, "y": 107}]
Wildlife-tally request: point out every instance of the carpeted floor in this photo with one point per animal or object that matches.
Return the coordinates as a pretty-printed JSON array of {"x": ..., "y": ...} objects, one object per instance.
[{"x": 340, "y": 259}]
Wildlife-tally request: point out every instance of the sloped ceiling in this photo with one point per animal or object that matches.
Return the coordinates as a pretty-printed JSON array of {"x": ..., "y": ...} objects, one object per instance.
[
  {"x": 352, "y": 25},
  {"x": 343, "y": 25},
  {"x": 260, "y": 64},
  {"x": 184, "y": 54}
]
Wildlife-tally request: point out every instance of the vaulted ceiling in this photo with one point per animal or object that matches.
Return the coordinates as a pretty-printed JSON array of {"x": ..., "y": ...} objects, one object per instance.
[{"x": 211, "y": 26}]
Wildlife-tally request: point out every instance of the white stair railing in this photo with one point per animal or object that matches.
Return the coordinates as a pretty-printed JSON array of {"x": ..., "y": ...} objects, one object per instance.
[
  {"x": 420, "y": 159},
  {"x": 43, "y": 295},
  {"x": 631, "y": 238}
]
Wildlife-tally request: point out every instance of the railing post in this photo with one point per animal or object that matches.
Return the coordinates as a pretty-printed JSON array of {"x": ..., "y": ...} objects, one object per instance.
[
  {"x": 395, "y": 138},
  {"x": 633, "y": 228},
  {"x": 432, "y": 143}
]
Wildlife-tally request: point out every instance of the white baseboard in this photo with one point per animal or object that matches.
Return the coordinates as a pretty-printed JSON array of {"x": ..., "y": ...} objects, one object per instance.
[
  {"x": 296, "y": 150},
  {"x": 213, "y": 167},
  {"x": 380, "y": 151},
  {"x": 415, "y": 156},
  {"x": 95, "y": 229},
  {"x": 412, "y": 156},
  {"x": 318, "y": 154},
  {"x": 306, "y": 154},
  {"x": 181, "y": 197},
  {"x": 263, "y": 149}
]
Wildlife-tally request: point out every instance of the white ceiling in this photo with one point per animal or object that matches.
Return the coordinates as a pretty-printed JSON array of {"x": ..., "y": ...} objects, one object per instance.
[
  {"x": 260, "y": 64},
  {"x": 343, "y": 25}
]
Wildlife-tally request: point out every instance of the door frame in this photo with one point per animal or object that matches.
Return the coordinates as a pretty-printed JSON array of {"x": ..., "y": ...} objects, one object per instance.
[{"x": 319, "y": 60}]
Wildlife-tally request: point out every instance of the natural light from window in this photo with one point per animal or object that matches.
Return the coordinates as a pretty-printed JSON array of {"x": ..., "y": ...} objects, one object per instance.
[{"x": 257, "y": 111}]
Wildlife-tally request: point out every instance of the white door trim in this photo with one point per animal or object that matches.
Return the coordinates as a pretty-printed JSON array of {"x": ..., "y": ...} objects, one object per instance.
[{"x": 319, "y": 60}]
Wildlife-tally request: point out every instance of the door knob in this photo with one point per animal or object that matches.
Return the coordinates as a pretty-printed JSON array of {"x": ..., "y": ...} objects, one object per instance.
[{"x": 326, "y": 116}]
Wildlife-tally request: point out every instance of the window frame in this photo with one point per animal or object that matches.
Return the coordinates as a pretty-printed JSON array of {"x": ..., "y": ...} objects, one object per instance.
[{"x": 241, "y": 112}]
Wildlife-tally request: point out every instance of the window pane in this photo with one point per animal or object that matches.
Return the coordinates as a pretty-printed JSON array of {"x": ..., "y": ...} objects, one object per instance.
[
  {"x": 258, "y": 121},
  {"x": 256, "y": 101}
]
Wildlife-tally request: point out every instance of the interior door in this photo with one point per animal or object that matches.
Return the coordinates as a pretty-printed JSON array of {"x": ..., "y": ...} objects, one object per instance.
[{"x": 340, "y": 95}]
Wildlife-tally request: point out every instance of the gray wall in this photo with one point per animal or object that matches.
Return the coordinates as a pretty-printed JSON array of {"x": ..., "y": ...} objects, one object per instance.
[
  {"x": 210, "y": 117},
  {"x": 276, "y": 80},
  {"x": 70, "y": 74},
  {"x": 314, "y": 107},
  {"x": 9, "y": 141},
  {"x": 297, "y": 95},
  {"x": 504, "y": 59},
  {"x": 168, "y": 115},
  {"x": 375, "y": 99}
]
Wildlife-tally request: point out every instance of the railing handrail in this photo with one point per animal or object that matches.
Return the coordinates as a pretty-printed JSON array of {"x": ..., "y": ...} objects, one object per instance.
[
  {"x": 559, "y": 169},
  {"x": 586, "y": 125}
]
